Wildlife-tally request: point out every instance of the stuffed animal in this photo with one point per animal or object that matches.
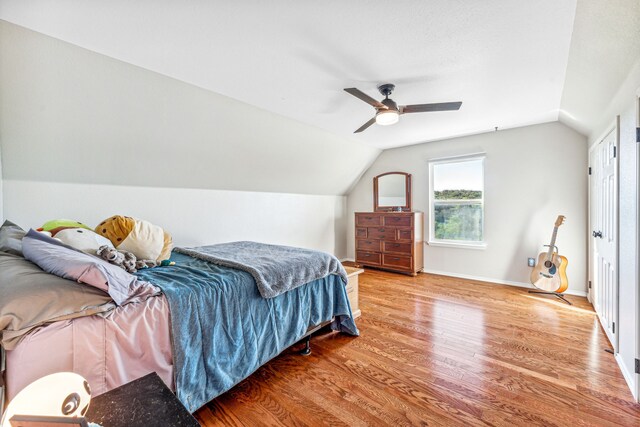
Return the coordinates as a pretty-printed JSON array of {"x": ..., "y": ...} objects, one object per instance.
[
  {"x": 54, "y": 226},
  {"x": 112, "y": 255},
  {"x": 145, "y": 240},
  {"x": 82, "y": 239},
  {"x": 125, "y": 259},
  {"x": 129, "y": 262},
  {"x": 148, "y": 263}
]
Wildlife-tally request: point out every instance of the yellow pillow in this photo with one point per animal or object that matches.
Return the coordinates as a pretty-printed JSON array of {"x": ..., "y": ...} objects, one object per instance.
[{"x": 142, "y": 238}]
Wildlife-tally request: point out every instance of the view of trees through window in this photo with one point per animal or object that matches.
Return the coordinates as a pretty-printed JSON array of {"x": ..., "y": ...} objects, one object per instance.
[{"x": 458, "y": 211}]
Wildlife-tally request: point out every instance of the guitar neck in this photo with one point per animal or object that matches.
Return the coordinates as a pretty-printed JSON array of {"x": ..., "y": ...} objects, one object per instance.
[{"x": 552, "y": 245}]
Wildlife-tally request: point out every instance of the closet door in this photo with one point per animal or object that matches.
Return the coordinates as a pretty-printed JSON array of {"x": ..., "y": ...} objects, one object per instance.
[{"x": 603, "y": 208}]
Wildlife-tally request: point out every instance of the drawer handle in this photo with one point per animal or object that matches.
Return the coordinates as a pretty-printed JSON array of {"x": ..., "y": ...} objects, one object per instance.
[
  {"x": 368, "y": 217},
  {"x": 395, "y": 259},
  {"x": 382, "y": 230},
  {"x": 396, "y": 245}
]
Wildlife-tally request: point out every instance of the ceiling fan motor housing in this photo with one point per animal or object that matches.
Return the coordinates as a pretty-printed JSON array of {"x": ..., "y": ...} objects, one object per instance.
[
  {"x": 390, "y": 103},
  {"x": 386, "y": 89}
]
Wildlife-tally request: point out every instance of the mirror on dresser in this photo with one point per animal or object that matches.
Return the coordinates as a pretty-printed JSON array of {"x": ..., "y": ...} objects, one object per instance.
[{"x": 392, "y": 192}]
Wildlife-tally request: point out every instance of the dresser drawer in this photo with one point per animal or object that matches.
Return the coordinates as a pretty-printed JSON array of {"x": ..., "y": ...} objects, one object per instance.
[
  {"x": 368, "y": 245},
  {"x": 399, "y": 261},
  {"x": 405, "y": 234},
  {"x": 403, "y": 248},
  {"x": 368, "y": 220},
  {"x": 361, "y": 233},
  {"x": 368, "y": 257},
  {"x": 402, "y": 221},
  {"x": 384, "y": 233}
]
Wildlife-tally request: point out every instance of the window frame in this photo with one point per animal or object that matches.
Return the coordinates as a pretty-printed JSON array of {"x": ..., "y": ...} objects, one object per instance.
[{"x": 466, "y": 244}]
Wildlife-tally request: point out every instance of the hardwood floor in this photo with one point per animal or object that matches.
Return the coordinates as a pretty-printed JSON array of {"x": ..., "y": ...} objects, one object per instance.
[{"x": 436, "y": 350}]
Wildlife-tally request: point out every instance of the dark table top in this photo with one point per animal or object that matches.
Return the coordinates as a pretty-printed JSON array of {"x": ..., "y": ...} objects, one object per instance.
[{"x": 146, "y": 401}]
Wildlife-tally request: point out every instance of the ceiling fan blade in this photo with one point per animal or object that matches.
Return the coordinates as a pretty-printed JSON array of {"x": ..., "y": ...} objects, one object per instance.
[
  {"x": 423, "y": 108},
  {"x": 366, "y": 125},
  {"x": 366, "y": 98}
]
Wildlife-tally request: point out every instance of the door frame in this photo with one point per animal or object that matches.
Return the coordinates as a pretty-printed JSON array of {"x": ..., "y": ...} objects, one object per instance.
[
  {"x": 637, "y": 316},
  {"x": 614, "y": 127}
]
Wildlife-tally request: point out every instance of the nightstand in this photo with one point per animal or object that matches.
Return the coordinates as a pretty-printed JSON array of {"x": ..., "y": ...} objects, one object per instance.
[
  {"x": 352, "y": 289},
  {"x": 146, "y": 401}
]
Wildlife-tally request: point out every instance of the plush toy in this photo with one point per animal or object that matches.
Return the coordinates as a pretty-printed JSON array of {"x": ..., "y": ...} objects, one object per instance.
[
  {"x": 145, "y": 240},
  {"x": 82, "y": 239},
  {"x": 54, "y": 226},
  {"x": 129, "y": 262},
  {"x": 125, "y": 259},
  {"x": 112, "y": 255},
  {"x": 148, "y": 263}
]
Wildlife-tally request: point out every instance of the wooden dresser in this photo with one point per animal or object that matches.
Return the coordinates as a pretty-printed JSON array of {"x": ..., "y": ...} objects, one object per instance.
[{"x": 390, "y": 240}]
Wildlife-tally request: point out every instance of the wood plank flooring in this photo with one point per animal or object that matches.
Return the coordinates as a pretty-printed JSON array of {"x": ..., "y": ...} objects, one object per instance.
[{"x": 436, "y": 350}]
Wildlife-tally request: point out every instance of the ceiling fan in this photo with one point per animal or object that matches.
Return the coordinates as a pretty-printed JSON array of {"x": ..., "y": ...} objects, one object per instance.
[{"x": 388, "y": 112}]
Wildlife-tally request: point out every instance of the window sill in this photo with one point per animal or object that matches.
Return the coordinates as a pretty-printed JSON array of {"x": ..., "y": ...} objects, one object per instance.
[{"x": 462, "y": 245}]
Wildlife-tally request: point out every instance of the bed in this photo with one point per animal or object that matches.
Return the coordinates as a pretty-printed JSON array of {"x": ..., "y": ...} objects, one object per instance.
[{"x": 202, "y": 325}]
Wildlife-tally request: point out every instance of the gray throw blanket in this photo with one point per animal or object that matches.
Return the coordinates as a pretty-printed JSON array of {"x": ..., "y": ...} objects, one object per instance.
[{"x": 276, "y": 269}]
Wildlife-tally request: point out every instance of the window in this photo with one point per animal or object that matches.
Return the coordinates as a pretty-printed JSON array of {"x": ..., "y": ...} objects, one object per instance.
[{"x": 457, "y": 201}]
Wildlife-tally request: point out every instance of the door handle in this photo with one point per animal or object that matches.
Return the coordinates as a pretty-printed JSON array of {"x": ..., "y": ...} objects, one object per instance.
[{"x": 597, "y": 234}]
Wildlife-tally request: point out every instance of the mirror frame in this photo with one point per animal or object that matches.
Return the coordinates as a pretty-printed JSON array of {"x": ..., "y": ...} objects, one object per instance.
[{"x": 407, "y": 188}]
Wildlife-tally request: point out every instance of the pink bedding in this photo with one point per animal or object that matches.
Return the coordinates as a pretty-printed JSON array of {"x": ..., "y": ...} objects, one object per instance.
[{"x": 131, "y": 341}]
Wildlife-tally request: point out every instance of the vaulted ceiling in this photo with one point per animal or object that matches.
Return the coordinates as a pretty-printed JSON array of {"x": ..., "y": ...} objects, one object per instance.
[{"x": 511, "y": 62}]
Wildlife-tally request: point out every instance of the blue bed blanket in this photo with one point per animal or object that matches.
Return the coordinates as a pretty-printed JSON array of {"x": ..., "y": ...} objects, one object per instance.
[{"x": 223, "y": 329}]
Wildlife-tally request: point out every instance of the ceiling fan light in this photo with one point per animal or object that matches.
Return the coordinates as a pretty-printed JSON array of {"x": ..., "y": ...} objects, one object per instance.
[{"x": 387, "y": 117}]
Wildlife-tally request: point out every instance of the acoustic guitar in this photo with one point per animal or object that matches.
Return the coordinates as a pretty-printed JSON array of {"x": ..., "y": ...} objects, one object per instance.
[{"x": 550, "y": 273}]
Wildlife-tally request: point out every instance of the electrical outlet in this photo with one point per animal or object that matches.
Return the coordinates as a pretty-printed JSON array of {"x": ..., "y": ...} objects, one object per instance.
[{"x": 531, "y": 262}]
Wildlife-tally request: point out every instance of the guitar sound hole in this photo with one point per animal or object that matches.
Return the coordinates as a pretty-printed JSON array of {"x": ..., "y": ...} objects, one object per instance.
[{"x": 548, "y": 264}]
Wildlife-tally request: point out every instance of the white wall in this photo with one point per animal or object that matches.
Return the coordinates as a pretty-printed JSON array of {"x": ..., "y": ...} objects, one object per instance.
[
  {"x": 624, "y": 104},
  {"x": 71, "y": 115},
  {"x": 1, "y": 191},
  {"x": 192, "y": 216},
  {"x": 532, "y": 175}
]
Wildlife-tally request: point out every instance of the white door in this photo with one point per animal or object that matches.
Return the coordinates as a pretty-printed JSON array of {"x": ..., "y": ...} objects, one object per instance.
[{"x": 604, "y": 233}]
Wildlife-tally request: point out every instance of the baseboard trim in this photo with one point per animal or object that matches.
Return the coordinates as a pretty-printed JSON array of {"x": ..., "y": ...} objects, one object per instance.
[
  {"x": 498, "y": 281},
  {"x": 628, "y": 376},
  {"x": 487, "y": 279}
]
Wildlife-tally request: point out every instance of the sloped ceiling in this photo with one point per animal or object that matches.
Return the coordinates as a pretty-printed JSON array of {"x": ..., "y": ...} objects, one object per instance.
[
  {"x": 511, "y": 62},
  {"x": 71, "y": 115},
  {"x": 505, "y": 60},
  {"x": 604, "y": 47}
]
